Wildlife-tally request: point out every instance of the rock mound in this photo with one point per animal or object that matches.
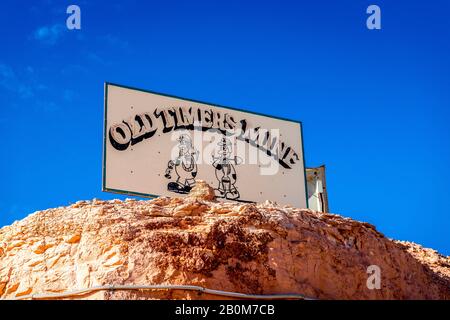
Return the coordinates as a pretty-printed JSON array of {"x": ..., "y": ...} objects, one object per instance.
[{"x": 248, "y": 248}]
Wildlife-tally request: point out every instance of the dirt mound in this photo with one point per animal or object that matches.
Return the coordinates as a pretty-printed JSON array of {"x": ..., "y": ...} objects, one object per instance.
[{"x": 248, "y": 248}]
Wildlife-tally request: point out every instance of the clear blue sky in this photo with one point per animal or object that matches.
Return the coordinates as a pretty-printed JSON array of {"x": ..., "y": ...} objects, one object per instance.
[{"x": 374, "y": 104}]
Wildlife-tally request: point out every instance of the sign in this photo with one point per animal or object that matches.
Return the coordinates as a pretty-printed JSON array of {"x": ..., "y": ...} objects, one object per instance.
[
  {"x": 317, "y": 189},
  {"x": 160, "y": 145}
]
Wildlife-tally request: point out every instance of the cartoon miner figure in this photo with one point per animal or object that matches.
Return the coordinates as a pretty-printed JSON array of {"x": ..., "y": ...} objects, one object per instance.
[
  {"x": 185, "y": 166},
  {"x": 225, "y": 171}
]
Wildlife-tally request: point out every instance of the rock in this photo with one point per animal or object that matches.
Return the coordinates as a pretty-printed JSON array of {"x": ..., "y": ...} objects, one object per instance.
[
  {"x": 202, "y": 191},
  {"x": 249, "y": 248},
  {"x": 73, "y": 238}
]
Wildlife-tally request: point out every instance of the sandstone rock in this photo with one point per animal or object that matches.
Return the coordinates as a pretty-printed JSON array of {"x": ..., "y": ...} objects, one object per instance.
[
  {"x": 248, "y": 248},
  {"x": 202, "y": 191}
]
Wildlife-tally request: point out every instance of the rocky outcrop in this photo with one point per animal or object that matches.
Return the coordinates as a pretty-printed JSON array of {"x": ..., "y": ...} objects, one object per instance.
[{"x": 250, "y": 248}]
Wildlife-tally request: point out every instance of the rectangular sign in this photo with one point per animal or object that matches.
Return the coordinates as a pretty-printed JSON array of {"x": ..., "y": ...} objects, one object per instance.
[{"x": 160, "y": 145}]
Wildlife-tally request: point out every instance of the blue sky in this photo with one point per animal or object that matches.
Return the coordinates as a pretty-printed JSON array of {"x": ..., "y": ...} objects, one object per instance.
[{"x": 374, "y": 103}]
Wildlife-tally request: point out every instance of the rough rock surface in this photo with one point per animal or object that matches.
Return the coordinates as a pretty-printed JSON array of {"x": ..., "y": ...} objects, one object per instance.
[{"x": 249, "y": 248}]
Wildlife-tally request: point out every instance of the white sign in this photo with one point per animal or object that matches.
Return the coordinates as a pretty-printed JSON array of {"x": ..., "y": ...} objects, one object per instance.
[{"x": 159, "y": 145}]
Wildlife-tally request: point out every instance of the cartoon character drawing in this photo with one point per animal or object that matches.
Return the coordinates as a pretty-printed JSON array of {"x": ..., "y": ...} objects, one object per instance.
[
  {"x": 185, "y": 166},
  {"x": 225, "y": 170}
]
